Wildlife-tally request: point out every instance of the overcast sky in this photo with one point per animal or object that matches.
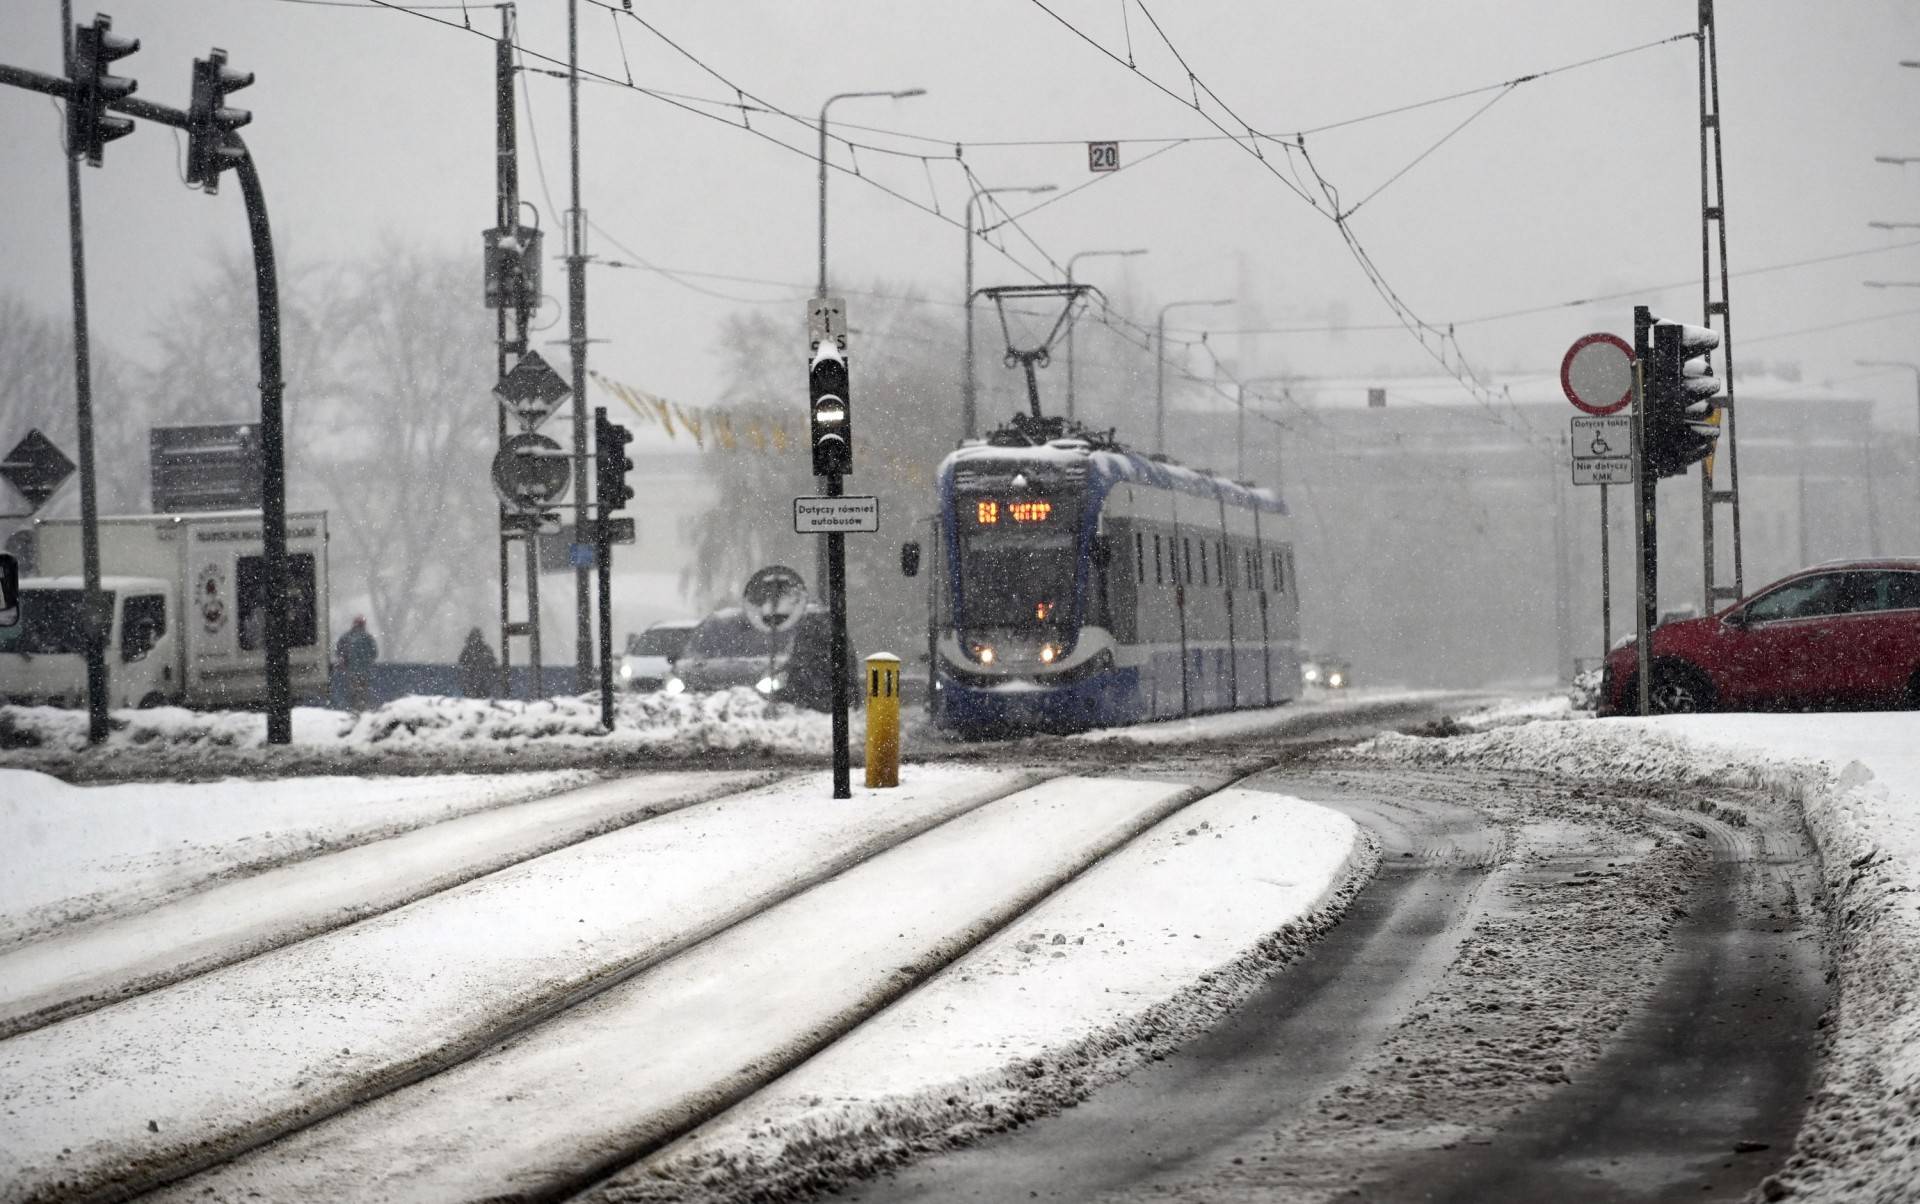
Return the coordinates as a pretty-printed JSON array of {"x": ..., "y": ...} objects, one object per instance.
[{"x": 374, "y": 127}]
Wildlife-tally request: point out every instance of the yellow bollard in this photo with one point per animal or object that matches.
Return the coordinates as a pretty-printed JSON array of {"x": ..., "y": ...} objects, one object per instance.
[{"x": 883, "y": 719}]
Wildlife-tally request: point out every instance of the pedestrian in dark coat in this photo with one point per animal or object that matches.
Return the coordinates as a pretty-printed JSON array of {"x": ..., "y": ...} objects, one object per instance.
[
  {"x": 355, "y": 654},
  {"x": 479, "y": 669}
]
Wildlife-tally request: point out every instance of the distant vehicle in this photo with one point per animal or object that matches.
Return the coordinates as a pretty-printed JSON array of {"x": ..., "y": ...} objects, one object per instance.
[
  {"x": 185, "y": 612},
  {"x": 1326, "y": 672},
  {"x": 648, "y": 662},
  {"x": 1845, "y": 634},
  {"x": 1076, "y": 584},
  {"x": 726, "y": 650}
]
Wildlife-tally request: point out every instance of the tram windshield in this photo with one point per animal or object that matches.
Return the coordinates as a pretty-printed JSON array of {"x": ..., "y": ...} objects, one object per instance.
[{"x": 1017, "y": 561}]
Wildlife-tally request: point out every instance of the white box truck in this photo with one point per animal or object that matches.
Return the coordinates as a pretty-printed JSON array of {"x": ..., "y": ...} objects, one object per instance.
[{"x": 186, "y": 612}]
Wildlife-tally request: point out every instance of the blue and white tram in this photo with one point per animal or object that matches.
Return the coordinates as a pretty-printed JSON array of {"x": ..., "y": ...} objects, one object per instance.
[{"x": 1078, "y": 586}]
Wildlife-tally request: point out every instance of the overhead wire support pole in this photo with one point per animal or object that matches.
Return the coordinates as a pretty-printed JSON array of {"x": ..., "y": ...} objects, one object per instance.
[
  {"x": 577, "y": 344},
  {"x": 1713, "y": 236},
  {"x": 505, "y": 216}
]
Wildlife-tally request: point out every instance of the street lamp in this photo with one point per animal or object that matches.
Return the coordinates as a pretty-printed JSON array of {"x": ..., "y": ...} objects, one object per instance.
[
  {"x": 1160, "y": 357},
  {"x": 1915, "y": 369},
  {"x": 968, "y": 389},
  {"x": 901, "y": 95},
  {"x": 1071, "y": 260}
]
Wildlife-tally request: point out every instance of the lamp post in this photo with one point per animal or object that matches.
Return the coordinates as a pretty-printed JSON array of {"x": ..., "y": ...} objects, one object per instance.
[
  {"x": 1915, "y": 369},
  {"x": 1071, "y": 260},
  {"x": 968, "y": 390},
  {"x": 1160, "y": 377},
  {"x": 900, "y": 95}
]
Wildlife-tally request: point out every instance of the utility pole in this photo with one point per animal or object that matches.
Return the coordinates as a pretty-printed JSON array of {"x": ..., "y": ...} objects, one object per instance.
[
  {"x": 513, "y": 275},
  {"x": 577, "y": 342}
]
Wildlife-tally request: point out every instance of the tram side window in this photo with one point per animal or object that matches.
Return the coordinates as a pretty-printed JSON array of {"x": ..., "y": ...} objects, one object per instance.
[
  {"x": 1203, "y": 562},
  {"x": 1158, "y": 579},
  {"x": 1219, "y": 565},
  {"x": 1186, "y": 554},
  {"x": 1279, "y": 576},
  {"x": 1287, "y": 563},
  {"x": 1139, "y": 558}
]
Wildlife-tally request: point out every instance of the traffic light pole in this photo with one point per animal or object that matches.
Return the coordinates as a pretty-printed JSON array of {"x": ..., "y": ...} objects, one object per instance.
[
  {"x": 1646, "y": 592},
  {"x": 837, "y": 649},
  {"x": 273, "y": 469},
  {"x": 603, "y": 560},
  {"x": 95, "y": 602}
]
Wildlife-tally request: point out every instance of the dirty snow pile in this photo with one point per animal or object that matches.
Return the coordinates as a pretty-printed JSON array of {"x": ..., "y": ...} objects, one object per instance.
[
  {"x": 1857, "y": 776},
  {"x": 417, "y": 732},
  {"x": 78, "y": 852}
]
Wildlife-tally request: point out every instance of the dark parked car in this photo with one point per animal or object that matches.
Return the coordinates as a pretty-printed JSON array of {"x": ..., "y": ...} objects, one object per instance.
[
  {"x": 1836, "y": 635},
  {"x": 726, "y": 650}
]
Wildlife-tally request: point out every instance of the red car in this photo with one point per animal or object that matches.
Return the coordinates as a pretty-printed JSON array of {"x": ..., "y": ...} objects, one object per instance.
[{"x": 1844, "y": 635}]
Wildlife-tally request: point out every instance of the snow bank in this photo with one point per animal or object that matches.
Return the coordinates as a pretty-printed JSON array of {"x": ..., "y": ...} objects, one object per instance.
[
  {"x": 1124, "y": 963},
  {"x": 416, "y": 734},
  {"x": 1857, "y": 778},
  {"x": 75, "y": 852}
]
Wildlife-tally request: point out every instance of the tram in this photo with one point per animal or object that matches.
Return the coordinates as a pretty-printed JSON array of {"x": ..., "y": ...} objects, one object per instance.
[{"x": 1075, "y": 584}]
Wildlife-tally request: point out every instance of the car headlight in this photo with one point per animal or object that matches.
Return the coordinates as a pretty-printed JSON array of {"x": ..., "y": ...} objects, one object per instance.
[
  {"x": 1310, "y": 674},
  {"x": 769, "y": 684},
  {"x": 626, "y": 672},
  {"x": 676, "y": 686},
  {"x": 1337, "y": 680}
]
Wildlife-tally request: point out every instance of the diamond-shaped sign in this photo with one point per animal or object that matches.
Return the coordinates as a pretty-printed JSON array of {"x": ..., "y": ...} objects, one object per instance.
[
  {"x": 36, "y": 468},
  {"x": 532, "y": 390}
]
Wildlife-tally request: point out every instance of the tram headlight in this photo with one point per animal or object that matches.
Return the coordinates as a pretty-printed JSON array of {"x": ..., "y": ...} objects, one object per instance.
[
  {"x": 982, "y": 653},
  {"x": 1048, "y": 654},
  {"x": 676, "y": 686}
]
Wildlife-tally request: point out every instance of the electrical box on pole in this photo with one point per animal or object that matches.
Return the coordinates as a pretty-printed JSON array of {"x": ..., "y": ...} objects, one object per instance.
[
  {"x": 210, "y": 120},
  {"x": 89, "y": 126}
]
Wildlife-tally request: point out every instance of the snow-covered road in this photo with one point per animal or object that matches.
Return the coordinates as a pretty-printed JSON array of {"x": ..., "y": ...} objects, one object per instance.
[{"x": 663, "y": 908}]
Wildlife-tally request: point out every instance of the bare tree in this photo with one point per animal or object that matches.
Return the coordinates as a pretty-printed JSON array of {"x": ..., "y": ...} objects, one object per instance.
[{"x": 36, "y": 393}]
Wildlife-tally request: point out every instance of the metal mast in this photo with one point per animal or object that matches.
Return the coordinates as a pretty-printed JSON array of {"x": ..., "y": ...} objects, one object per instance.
[{"x": 1718, "y": 316}]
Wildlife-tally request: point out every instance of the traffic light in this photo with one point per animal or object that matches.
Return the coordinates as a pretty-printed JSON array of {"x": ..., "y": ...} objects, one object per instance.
[
  {"x": 1680, "y": 425},
  {"x": 89, "y": 127},
  {"x": 209, "y": 120},
  {"x": 610, "y": 462},
  {"x": 829, "y": 415}
]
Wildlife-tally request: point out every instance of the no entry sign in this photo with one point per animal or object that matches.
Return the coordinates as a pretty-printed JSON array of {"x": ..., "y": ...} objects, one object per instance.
[{"x": 1597, "y": 373}]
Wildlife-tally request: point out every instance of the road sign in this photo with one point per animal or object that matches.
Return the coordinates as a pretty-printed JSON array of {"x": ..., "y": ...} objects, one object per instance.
[
  {"x": 1597, "y": 373},
  {"x": 530, "y": 471},
  {"x": 532, "y": 391},
  {"x": 1603, "y": 450},
  {"x": 825, "y": 515},
  {"x": 773, "y": 598},
  {"x": 36, "y": 468},
  {"x": 827, "y": 319},
  {"x": 208, "y": 466},
  {"x": 1103, "y": 156}
]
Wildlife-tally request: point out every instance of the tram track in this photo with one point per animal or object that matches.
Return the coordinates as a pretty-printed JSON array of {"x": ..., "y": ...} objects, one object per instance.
[{"x": 189, "y": 1164}]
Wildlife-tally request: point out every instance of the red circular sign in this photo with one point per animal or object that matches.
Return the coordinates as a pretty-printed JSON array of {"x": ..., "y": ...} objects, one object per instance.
[{"x": 1597, "y": 373}]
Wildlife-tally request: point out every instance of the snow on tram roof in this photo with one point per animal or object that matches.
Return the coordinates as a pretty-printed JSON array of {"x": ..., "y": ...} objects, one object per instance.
[{"x": 1105, "y": 467}]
